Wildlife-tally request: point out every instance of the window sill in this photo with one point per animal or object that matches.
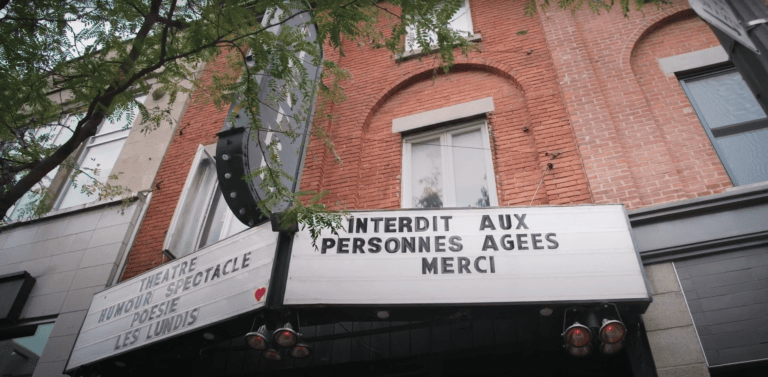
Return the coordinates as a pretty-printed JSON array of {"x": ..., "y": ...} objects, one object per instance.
[{"x": 418, "y": 52}]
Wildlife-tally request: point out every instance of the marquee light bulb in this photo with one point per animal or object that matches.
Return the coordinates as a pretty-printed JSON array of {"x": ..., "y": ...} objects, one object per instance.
[
  {"x": 612, "y": 331},
  {"x": 271, "y": 354},
  {"x": 258, "y": 340},
  {"x": 286, "y": 337},
  {"x": 579, "y": 351},
  {"x": 299, "y": 351},
  {"x": 577, "y": 335},
  {"x": 611, "y": 349}
]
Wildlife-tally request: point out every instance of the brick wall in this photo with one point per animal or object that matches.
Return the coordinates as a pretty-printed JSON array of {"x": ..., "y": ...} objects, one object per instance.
[
  {"x": 199, "y": 125},
  {"x": 592, "y": 76},
  {"x": 640, "y": 141},
  {"x": 516, "y": 69},
  {"x": 584, "y": 85},
  {"x": 700, "y": 170}
]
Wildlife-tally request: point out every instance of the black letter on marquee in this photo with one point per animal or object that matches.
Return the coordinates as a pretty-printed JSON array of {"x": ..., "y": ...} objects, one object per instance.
[
  {"x": 341, "y": 248},
  {"x": 446, "y": 218},
  {"x": 464, "y": 265},
  {"x": 430, "y": 267},
  {"x": 536, "y": 240},
  {"x": 362, "y": 226},
  {"x": 455, "y": 244},
  {"x": 374, "y": 245},
  {"x": 422, "y": 224},
  {"x": 486, "y": 223},
  {"x": 521, "y": 222},
  {"x": 393, "y": 249},
  {"x": 551, "y": 238},
  {"x": 328, "y": 243},
  {"x": 477, "y": 265},
  {"x": 521, "y": 242},
  {"x": 505, "y": 222},
  {"x": 389, "y": 224},
  {"x": 424, "y": 244},
  {"x": 439, "y": 244},
  {"x": 490, "y": 243},
  {"x": 376, "y": 221},
  {"x": 357, "y": 244},
  {"x": 404, "y": 223},
  {"x": 447, "y": 264},
  {"x": 507, "y": 243},
  {"x": 409, "y": 244}
]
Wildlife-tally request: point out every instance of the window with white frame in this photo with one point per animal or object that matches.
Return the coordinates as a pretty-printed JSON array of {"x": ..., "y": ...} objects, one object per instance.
[
  {"x": 450, "y": 167},
  {"x": 202, "y": 216},
  {"x": 461, "y": 22},
  {"x": 52, "y": 135},
  {"x": 99, "y": 157},
  {"x": 734, "y": 122}
]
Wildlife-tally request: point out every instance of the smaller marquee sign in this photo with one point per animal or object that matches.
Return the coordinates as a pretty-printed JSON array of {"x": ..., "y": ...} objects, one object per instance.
[
  {"x": 223, "y": 280},
  {"x": 286, "y": 122},
  {"x": 461, "y": 256}
]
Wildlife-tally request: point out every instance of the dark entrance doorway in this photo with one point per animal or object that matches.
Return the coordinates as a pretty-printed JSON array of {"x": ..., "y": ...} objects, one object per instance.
[
  {"x": 544, "y": 357},
  {"x": 521, "y": 346}
]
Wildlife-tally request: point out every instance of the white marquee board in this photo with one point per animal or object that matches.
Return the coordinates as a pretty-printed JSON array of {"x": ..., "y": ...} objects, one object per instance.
[
  {"x": 225, "y": 279},
  {"x": 461, "y": 256}
]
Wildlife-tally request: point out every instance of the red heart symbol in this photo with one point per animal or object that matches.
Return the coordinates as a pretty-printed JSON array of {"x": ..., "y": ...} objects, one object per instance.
[{"x": 260, "y": 293}]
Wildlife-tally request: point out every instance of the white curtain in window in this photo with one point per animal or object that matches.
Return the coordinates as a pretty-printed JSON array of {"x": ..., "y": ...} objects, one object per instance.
[{"x": 449, "y": 168}]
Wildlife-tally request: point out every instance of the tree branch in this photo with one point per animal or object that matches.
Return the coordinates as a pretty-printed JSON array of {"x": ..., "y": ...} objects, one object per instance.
[
  {"x": 11, "y": 160},
  {"x": 136, "y": 7},
  {"x": 102, "y": 101},
  {"x": 171, "y": 22},
  {"x": 385, "y": 9},
  {"x": 87, "y": 126},
  {"x": 21, "y": 167},
  {"x": 219, "y": 41},
  {"x": 164, "y": 38}
]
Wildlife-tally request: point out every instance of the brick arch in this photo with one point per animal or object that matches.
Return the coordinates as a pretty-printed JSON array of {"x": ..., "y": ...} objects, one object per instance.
[
  {"x": 426, "y": 70},
  {"x": 529, "y": 122},
  {"x": 520, "y": 157},
  {"x": 417, "y": 72},
  {"x": 654, "y": 23},
  {"x": 692, "y": 156}
]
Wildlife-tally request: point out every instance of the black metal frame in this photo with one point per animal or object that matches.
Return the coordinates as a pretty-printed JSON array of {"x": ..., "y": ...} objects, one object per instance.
[{"x": 18, "y": 301}]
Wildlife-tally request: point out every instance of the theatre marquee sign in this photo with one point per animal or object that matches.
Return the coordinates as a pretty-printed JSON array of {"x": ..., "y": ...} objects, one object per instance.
[
  {"x": 460, "y": 256},
  {"x": 223, "y": 280}
]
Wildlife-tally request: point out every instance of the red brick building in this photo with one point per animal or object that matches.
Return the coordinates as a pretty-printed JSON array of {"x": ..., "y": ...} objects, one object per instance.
[
  {"x": 587, "y": 87},
  {"x": 555, "y": 109}
]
